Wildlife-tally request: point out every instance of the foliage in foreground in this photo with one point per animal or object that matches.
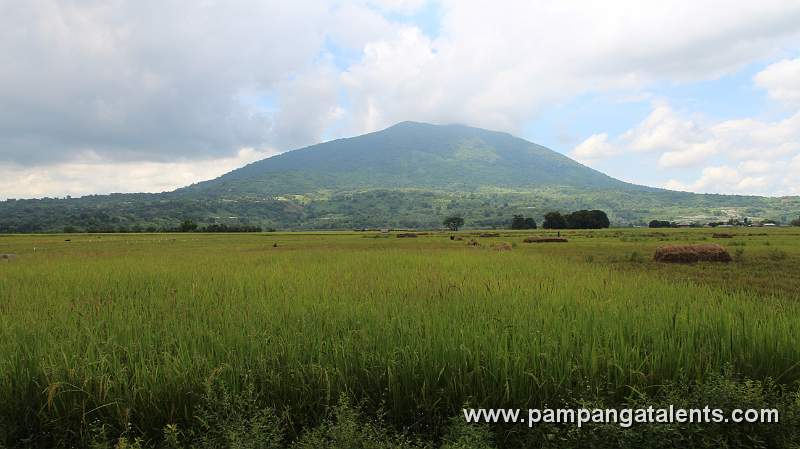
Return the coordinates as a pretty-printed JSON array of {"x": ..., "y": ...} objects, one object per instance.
[{"x": 223, "y": 420}]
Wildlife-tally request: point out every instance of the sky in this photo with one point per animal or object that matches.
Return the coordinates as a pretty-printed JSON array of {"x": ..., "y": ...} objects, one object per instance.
[{"x": 100, "y": 96}]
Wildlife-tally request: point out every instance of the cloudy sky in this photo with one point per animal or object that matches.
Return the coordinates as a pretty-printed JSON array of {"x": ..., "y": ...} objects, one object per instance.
[{"x": 102, "y": 96}]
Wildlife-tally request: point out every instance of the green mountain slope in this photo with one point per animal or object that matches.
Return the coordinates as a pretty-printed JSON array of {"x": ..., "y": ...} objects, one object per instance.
[
  {"x": 451, "y": 158},
  {"x": 410, "y": 175}
]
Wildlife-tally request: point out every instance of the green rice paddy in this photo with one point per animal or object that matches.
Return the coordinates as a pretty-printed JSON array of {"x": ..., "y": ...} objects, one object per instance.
[{"x": 128, "y": 330}]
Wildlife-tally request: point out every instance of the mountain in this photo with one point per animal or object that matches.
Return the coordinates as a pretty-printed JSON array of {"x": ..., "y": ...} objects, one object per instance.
[
  {"x": 409, "y": 175},
  {"x": 412, "y": 155}
]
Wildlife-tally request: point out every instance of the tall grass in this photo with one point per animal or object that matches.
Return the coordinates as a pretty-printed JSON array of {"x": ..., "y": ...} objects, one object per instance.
[{"x": 128, "y": 332}]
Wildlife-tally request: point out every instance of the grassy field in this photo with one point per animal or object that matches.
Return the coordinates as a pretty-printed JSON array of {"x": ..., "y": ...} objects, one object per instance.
[{"x": 109, "y": 336}]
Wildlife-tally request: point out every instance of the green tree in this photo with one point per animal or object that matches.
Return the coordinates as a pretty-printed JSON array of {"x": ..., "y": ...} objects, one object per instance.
[
  {"x": 518, "y": 222},
  {"x": 453, "y": 222},
  {"x": 588, "y": 219},
  {"x": 554, "y": 220},
  {"x": 660, "y": 224},
  {"x": 522, "y": 222},
  {"x": 188, "y": 226},
  {"x": 796, "y": 222}
]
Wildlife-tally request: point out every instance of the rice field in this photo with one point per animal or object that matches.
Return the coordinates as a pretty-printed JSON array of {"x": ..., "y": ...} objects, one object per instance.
[{"x": 128, "y": 331}]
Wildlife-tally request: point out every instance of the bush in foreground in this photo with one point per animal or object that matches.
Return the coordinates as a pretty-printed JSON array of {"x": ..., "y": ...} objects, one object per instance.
[{"x": 224, "y": 420}]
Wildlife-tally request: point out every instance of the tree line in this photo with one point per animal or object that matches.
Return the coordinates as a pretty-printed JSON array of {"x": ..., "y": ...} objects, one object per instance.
[{"x": 581, "y": 219}]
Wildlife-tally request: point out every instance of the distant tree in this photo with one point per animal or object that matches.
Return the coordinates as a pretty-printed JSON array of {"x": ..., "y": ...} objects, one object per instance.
[
  {"x": 453, "y": 222},
  {"x": 188, "y": 226},
  {"x": 588, "y": 219},
  {"x": 660, "y": 224},
  {"x": 554, "y": 220},
  {"x": 796, "y": 222},
  {"x": 69, "y": 230},
  {"x": 522, "y": 222}
]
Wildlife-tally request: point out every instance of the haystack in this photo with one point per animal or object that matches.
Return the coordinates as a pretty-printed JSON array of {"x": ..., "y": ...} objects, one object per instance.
[
  {"x": 691, "y": 253},
  {"x": 489, "y": 234},
  {"x": 502, "y": 246},
  {"x": 544, "y": 239},
  {"x": 473, "y": 242}
]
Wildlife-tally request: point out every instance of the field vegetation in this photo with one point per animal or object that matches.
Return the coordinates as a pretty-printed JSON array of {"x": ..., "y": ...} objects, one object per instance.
[{"x": 362, "y": 340}]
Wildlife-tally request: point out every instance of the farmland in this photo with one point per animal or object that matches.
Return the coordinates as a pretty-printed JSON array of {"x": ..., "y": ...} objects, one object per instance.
[{"x": 115, "y": 337}]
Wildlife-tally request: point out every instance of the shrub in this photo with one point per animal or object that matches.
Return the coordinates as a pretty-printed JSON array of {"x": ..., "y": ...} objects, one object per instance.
[
  {"x": 347, "y": 429},
  {"x": 225, "y": 419}
]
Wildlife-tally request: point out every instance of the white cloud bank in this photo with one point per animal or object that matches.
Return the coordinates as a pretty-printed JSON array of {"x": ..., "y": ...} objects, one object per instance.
[{"x": 736, "y": 156}]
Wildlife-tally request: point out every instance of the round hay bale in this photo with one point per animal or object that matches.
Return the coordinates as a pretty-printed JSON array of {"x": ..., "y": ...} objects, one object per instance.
[
  {"x": 473, "y": 242},
  {"x": 502, "y": 246},
  {"x": 691, "y": 253},
  {"x": 545, "y": 240}
]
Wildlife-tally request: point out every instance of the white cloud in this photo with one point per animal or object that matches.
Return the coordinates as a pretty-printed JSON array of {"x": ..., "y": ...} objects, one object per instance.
[
  {"x": 666, "y": 131},
  {"x": 595, "y": 147},
  {"x": 688, "y": 156},
  {"x": 80, "y": 177},
  {"x": 497, "y": 64},
  {"x": 766, "y": 153},
  {"x": 755, "y": 166},
  {"x": 402, "y": 6},
  {"x": 680, "y": 141},
  {"x": 749, "y": 138},
  {"x": 168, "y": 80},
  {"x": 721, "y": 179},
  {"x": 782, "y": 81}
]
